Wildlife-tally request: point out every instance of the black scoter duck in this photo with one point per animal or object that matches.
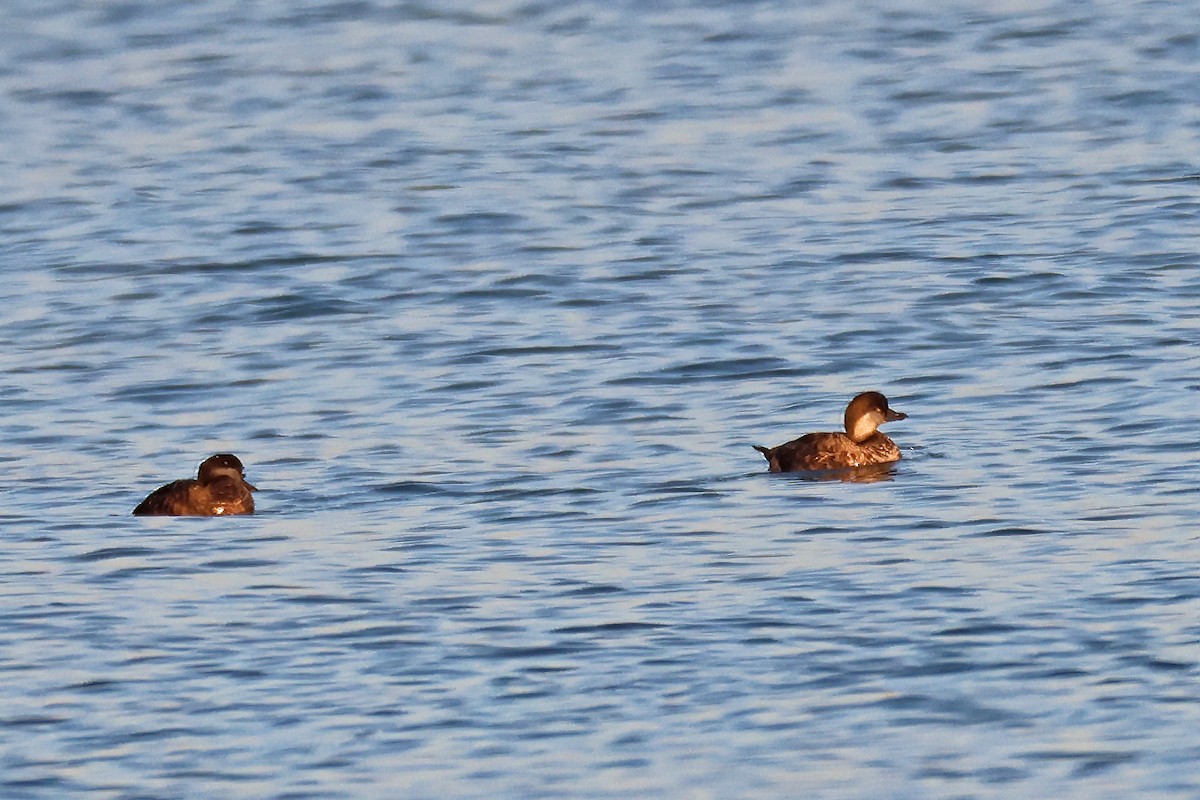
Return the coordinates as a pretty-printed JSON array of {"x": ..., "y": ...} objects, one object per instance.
[
  {"x": 861, "y": 445},
  {"x": 219, "y": 488}
]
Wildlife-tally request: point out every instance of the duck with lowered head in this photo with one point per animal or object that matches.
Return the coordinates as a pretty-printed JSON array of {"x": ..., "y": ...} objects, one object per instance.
[
  {"x": 861, "y": 445},
  {"x": 219, "y": 488}
]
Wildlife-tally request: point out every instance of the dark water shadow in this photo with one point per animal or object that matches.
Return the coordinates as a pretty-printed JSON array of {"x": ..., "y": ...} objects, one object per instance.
[{"x": 872, "y": 473}]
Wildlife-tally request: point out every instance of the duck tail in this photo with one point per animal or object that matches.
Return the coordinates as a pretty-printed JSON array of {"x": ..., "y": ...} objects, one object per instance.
[{"x": 766, "y": 451}]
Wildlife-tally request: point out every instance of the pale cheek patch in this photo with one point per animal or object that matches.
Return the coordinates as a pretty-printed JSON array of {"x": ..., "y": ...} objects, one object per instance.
[{"x": 865, "y": 426}]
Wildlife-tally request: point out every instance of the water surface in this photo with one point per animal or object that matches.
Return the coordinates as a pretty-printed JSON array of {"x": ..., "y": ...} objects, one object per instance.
[{"x": 492, "y": 299}]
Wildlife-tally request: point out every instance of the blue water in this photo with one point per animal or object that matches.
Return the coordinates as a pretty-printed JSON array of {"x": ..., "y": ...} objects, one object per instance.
[{"x": 493, "y": 298}]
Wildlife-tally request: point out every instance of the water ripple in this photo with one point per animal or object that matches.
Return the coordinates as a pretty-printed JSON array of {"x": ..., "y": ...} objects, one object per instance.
[{"x": 492, "y": 315}]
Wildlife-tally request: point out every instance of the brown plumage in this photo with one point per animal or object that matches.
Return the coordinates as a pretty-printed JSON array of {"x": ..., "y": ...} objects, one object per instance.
[
  {"x": 859, "y": 446},
  {"x": 220, "y": 488}
]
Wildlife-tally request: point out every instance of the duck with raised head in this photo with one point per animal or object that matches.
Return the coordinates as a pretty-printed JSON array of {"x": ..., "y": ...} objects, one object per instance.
[
  {"x": 219, "y": 488},
  {"x": 861, "y": 445}
]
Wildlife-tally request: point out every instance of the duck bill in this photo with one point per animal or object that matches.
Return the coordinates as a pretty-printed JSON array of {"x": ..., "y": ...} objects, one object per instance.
[
  {"x": 892, "y": 416},
  {"x": 250, "y": 485}
]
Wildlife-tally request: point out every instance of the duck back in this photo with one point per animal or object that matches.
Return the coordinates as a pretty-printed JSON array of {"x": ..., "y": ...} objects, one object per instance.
[
  {"x": 190, "y": 498},
  {"x": 817, "y": 451}
]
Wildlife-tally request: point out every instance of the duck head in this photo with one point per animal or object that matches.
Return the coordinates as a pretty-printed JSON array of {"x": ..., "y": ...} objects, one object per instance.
[{"x": 866, "y": 413}]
